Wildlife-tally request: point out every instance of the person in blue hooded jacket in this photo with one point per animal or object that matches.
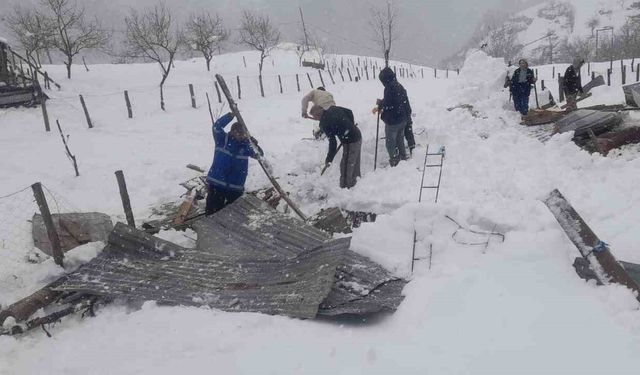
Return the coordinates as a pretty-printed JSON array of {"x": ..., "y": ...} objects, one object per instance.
[
  {"x": 230, "y": 167},
  {"x": 521, "y": 82}
]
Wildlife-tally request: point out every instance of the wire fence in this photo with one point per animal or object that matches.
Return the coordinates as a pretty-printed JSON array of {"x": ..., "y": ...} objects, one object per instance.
[{"x": 17, "y": 212}]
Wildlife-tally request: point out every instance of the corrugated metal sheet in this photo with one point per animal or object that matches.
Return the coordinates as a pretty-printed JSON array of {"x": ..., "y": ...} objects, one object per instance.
[
  {"x": 141, "y": 267},
  {"x": 583, "y": 120},
  {"x": 251, "y": 229}
]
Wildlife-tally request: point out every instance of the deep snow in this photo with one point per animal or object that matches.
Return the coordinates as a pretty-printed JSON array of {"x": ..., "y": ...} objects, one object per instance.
[{"x": 514, "y": 307}]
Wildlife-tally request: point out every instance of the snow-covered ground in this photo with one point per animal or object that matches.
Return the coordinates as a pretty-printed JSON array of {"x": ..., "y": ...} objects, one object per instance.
[{"x": 511, "y": 308}]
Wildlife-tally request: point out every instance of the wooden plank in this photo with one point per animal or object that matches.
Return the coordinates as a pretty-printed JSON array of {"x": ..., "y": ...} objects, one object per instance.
[
  {"x": 261, "y": 160},
  {"x": 56, "y": 249},
  {"x": 124, "y": 195},
  {"x": 603, "y": 263},
  {"x": 184, "y": 209}
]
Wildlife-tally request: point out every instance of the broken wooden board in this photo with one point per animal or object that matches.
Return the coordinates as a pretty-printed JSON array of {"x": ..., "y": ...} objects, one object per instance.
[
  {"x": 539, "y": 117},
  {"x": 74, "y": 229},
  {"x": 335, "y": 220},
  {"x": 140, "y": 267},
  {"x": 583, "y": 269},
  {"x": 596, "y": 82},
  {"x": 607, "y": 142},
  {"x": 578, "y": 100},
  {"x": 250, "y": 229},
  {"x": 632, "y": 94},
  {"x": 602, "y": 261}
]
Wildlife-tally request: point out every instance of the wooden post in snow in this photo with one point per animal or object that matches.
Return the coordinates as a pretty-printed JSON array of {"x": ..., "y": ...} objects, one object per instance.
[
  {"x": 85, "y": 64},
  {"x": 608, "y": 77},
  {"x": 331, "y": 76},
  {"x": 280, "y": 82},
  {"x": 638, "y": 73},
  {"x": 349, "y": 73},
  {"x": 244, "y": 59},
  {"x": 239, "y": 91},
  {"x": 602, "y": 261},
  {"x": 310, "y": 82},
  {"x": 86, "y": 112},
  {"x": 41, "y": 200},
  {"x": 128, "y": 103},
  {"x": 124, "y": 195},
  {"x": 43, "y": 105},
  {"x": 560, "y": 88},
  {"x": 218, "y": 91},
  {"x": 341, "y": 75},
  {"x": 298, "y": 82},
  {"x": 624, "y": 74},
  {"x": 321, "y": 79},
  {"x": 261, "y": 85},
  {"x": 66, "y": 147},
  {"x": 193, "y": 96}
]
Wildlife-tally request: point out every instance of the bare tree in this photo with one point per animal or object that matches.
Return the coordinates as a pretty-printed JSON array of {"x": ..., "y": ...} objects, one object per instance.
[
  {"x": 73, "y": 32},
  {"x": 204, "y": 33},
  {"x": 257, "y": 32},
  {"x": 152, "y": 36},
  {"x": 32, "y": 29},
  {"x": 593, "y": 24},
  {"x": 383, "y": 25}
]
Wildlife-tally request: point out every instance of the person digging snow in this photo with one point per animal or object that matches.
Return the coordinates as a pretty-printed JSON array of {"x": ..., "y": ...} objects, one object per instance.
[
  {"x": 573, "y": 84},
  {"x": 396, "y": 115},
  {"x": 521, "y": 82},
  {"x": 338, "y": 122},
  {"x": 230, "y": 167},
  {"x": 320, "y": 97}
]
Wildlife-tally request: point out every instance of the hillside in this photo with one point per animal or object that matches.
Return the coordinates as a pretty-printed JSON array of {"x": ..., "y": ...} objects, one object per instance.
[
  {"x": 572, "y": 24},
  {"x": 512, "y": 307}
]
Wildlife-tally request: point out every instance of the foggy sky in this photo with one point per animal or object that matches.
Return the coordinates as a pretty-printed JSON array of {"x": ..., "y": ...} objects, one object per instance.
[{"x": 429, "y": 30}]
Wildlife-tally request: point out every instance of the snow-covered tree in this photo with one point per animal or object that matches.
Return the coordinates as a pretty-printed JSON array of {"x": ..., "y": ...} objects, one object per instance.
[{"x": 205, "y": 33}]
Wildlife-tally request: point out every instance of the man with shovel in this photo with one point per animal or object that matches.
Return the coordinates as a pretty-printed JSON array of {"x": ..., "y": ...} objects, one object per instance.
[{"x": 338, "y": 122}]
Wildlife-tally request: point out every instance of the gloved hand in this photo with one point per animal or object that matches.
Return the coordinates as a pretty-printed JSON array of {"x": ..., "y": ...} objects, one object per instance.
[
  {"x": 375, "y": 110},
  {"x": 378, "y": 102}
]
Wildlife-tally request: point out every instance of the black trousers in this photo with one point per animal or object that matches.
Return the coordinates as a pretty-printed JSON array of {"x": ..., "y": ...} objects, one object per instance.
[
  {"x": 218, "y": 199},
  {"x": 408, "y": 135}
]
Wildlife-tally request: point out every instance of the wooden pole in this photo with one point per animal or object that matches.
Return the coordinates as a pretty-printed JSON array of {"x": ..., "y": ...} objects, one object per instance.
[
  {"x": 341, "y": 75},
  {"x": 608, "y": 77},
  {"x": 321, "y": 79},
  {"x": 560, "y": 87},
  {"x": 245, "y": 61},
  {"x": 310, "y": 83},
  {"x": 605, "y": 265},
  {"x": 218, "y": 92},
  {"x": 43, "y": 104},
  {"x": 280, "y": 82},
  {"x": 210, "y": 111},
  {"x": 124, "y": 195},
  {"x": 542, "y": 84},
  {"x": 56, "y": 249},
  {"x": 85, "y": 64},
  {"x": 624, "y": 74},
  {"x": 193, "y": 96},
  {"x": 239, "y": 91},
  {"x": 638, "y": 73},
  {"x": 298, "y": 82},
  {"x": 261, "y": 160},
  {"x": 331, "y": 76},
  {"x": 86, "y": 112},
  {"x": 350, "y": 77},
  {"x": 128, "y": 103},
  {"x": 435, "y": 73},
  {"x": 366, "y": 72}
]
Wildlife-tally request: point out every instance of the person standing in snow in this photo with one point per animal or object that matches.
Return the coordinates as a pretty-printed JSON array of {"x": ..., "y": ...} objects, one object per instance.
[
  {"x": 573, "y": 84},
  {"x": 230, "y": 167},
  {"x": 338, "y": 122},
  {"x": 321, "y": 98},
  {"x": 396, "y": 115},
  {"x": 521, "y": 82}
]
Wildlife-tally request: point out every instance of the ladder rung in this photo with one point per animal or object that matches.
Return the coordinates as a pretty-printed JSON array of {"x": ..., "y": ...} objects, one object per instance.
[
  {"x": 433, "y": 165},
  {"x": 430, "y": 187},
  {"x": 438, "y": 154}
]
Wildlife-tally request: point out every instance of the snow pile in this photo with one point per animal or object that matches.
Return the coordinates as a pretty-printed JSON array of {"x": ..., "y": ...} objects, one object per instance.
[{"x": 481, "y": 78}]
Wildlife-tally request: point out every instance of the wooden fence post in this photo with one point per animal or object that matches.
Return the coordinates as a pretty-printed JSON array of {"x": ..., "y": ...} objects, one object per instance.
[
  {"x": 280, "y": 82},
  {"x": 43, "y": 104},
  {"x": 341, "y": 75},
  {"x": 593, "y": 75},
  {"x": 321, "y": 79},
  {"x": 239, "y": 91},
  {"x": 422, "y": 72},
  {"x": 310, "y": 83},
  {"x": 542, "y": 84},
  {"x": 244, "y": 59},
  {"x": 560, "y": 87},
  {"x": 366, "y": 71},
  {"x": 638, "y": 73},
  {"x": 298, "y": 82},
  {"x": 447, "y": 72},
  {"x": 624, "y": 74},
  {"x": 124, "y": 195},
  {"x": 349, "y": 72},
  {"x": 47, "y": 84},
  {"x": 56, "y": 249},
  {"x": 608, "y": 77},
  {"x": 128, "y": 103},
  {"x": 331, "y": 76},
  {"x": 86, "y": 112},
  {"x": 218, "y": 91},
  {"x": 193, "y": 96},
  {"x": 553, "y": 72},
  {"x": 435, "y": 73}
]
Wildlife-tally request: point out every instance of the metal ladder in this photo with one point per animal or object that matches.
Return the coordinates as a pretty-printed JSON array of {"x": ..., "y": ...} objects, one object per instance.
[{"x": 441, "y": 154}]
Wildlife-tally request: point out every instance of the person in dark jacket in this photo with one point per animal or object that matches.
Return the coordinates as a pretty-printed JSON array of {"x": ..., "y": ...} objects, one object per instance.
[
  {"x": 573, "y": 84},
  {"x": 230, "y": 167},
  {"x": 338, "y": 122},
  {"x": 396, "y": 115},
  {"x": 521, "y": 82}
]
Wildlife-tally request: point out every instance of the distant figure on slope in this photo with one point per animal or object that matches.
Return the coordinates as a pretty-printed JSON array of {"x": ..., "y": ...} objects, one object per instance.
[
  {"x": 338, "y": 122},
  {"x": 573, "y": 84},
  {"x": 396, "y": 115},
  {"x": 230, "y": 166},
  {"x": 521, "y": 82},
  {"x": 321, "y": 98}
]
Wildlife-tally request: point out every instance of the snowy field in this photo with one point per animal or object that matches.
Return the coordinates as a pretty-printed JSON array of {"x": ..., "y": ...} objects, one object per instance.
[{"x": 511, "y": 308}]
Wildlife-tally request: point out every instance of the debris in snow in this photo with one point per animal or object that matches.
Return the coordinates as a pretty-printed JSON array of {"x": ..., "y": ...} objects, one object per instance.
[{"x": 74, "y": 229}]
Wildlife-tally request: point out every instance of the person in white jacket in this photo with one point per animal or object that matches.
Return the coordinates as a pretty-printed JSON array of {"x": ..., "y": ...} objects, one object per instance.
[{"x": 319, "y": 97}]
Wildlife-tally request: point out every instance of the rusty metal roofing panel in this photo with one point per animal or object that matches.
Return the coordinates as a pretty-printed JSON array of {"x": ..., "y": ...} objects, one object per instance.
[{"x": 583, "y": 120}]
